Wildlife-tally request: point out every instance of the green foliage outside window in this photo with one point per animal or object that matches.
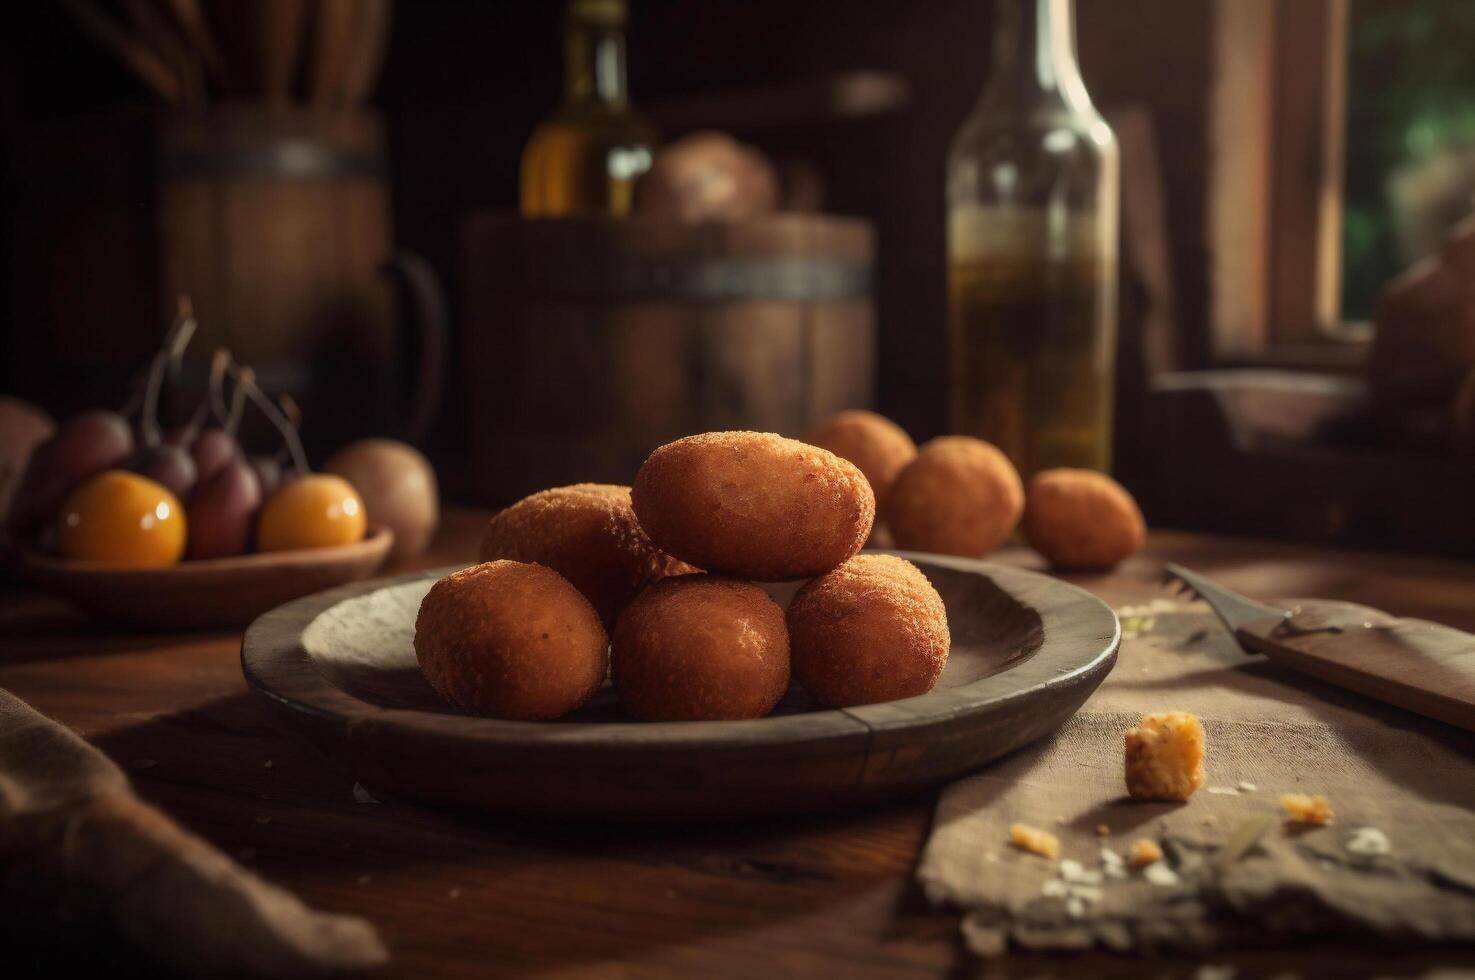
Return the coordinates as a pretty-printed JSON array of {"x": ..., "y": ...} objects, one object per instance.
[{"x": 1410, "y": 143}]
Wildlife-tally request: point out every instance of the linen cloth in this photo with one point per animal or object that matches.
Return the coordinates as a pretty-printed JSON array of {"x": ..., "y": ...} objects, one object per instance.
[
  {"x": 76, "y": 843},
  {"x": 1268, "y": 731}
]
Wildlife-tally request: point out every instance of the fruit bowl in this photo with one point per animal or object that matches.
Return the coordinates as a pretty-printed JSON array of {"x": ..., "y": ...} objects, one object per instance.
[{"x": 212, "y": 593}]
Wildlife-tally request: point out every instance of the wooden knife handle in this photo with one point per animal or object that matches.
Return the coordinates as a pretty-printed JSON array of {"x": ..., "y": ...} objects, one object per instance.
[{"x": 1413, "y": 663}]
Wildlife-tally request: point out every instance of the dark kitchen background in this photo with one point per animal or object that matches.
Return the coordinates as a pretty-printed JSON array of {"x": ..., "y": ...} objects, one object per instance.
[{"x": 1239, "y": 408}]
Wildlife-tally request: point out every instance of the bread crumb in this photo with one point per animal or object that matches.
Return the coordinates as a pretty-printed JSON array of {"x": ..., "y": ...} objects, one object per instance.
[
  {"x": 1313, "y": 810},
  {"x": 1165, "y": 756},
  {"x": 1145, "y": 852},
  {"x": 1035, "y": 841},
  {"x": 1158, "y": 873},
  {"x": 1102, "y": 830}
]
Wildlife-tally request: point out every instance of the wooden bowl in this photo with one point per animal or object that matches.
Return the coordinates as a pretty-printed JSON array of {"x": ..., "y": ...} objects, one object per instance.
[
  {"x": 208, "y": 594},
  {"x": 340, "y": 668}
]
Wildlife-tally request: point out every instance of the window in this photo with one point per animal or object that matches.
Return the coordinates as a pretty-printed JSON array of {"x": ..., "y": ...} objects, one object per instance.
[
  {"x": 1343, "y": 149},
  {"x": 1410, "y": 138}
]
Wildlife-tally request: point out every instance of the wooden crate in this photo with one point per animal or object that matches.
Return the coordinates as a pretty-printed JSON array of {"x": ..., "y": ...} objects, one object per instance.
[
  {"x": 1281, "y": 455},
  {"x": 590, "y": 342}
]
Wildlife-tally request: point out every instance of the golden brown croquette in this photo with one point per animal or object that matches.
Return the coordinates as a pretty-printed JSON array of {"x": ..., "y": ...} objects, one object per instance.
[
  {"x": 700, "y": 647},
  {"x": 874, "y": 443},
  {"x": 588, "y": 534},
  {"x": 1081, "y": 519},
  {"x": 510, "y": 640},
  {"x": 960, "y": 496},
  {"x": 872, "y": 630},
  {"x": 754, "y": 505}
]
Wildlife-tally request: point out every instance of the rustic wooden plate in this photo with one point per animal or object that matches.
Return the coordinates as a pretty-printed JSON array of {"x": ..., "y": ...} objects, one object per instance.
[
  {"x": 340, "y": 667},
  {"x": 213, "y": 593}
]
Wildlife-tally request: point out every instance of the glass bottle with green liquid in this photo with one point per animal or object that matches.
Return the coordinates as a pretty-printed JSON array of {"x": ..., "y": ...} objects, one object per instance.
[{"x": 1032, "y": 196}]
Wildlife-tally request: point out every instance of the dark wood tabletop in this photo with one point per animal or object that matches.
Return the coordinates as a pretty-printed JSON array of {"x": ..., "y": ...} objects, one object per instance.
[{"x": 464, "y": 895}]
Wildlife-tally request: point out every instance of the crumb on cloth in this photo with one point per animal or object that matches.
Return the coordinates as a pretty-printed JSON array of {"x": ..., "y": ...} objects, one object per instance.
[
  {"x": 1034, "y": 840},
  {"x": 1144, "y": 852},
  {"x": 1303, "y": 808},
  {"x": 1369, "y": 841},
  {"x": 1165, "y": 756}
]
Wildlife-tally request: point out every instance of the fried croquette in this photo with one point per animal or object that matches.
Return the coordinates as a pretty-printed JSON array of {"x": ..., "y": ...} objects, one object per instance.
[
  {"x": 1081, "y": 519},
  {"x": 754, "y": 505},
  {"x": 588, "y": 534},
  {"x": 872, "y": 630},
  {"x": 510, "y": 640},
  {"x": 700, "y": 647},
  {"x": 874, "y": 443},
  {"x": 960, "y": 496}
]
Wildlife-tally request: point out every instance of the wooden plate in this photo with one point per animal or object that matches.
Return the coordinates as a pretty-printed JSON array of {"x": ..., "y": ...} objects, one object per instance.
[
  {"x": 213, "y": 593},
  {"x": 340, "y": 667}
]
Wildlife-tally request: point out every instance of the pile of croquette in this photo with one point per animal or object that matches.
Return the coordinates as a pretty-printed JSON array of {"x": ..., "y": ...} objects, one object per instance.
[{"x": 653, "y": 585}]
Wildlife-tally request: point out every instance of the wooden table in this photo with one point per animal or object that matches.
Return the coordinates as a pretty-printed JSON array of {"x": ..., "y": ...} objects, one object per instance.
[{"x": 458, "y": 895}]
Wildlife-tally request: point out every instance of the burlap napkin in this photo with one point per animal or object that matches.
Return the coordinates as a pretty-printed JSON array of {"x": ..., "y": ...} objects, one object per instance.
[
  {"x": 76, "y": 842},
  {"x": 1411, "y": 877}
]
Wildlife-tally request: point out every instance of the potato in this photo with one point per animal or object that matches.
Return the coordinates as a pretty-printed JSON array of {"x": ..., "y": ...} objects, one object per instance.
[
  {"x": 510, "y": 640},
  {"x": 398, "y": 488},
  {"x": 960, "y": 496},
  {"x": 877, "y": 445},
  {"x": 1081, "y": 519},
  {"x": 872, "y": 630},
  {"x": 707, "y": 176},
  {"x": 753, "y": 505},
  {"x": 23, "y": 427}
]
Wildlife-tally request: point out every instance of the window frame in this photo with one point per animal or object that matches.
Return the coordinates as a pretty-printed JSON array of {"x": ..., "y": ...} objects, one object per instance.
[{"x": 1277, "y": 116}]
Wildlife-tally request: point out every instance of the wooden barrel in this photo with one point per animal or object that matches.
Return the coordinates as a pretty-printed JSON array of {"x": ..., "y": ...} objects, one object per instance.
[
  {"x": 589, "y": 342},
  {"x": 276, "y": 222}
]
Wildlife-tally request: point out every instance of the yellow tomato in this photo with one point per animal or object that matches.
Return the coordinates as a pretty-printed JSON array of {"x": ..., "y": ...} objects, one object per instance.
[
  {"x": 314, "y": 511},
  {"x": 121, "y": 518}
]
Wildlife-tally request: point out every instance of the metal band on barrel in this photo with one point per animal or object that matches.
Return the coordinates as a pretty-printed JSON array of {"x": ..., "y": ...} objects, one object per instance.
[{"x": 706, "y": 280}]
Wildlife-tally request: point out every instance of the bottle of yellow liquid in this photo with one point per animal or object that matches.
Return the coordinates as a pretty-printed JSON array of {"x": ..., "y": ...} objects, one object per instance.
[
  {"x": 584, "y": 159},
  {"x": 1032, "y": 251}
]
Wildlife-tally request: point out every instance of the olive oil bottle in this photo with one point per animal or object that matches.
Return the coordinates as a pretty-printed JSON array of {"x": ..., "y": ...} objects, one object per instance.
[
  {"x": 584, "y": 159},
  {"x": 1032, "y": 191}
]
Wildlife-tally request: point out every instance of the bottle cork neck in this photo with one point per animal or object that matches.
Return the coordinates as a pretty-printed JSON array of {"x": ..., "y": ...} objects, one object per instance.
[
  {"x": 594, "y": 61},
  {"x": 1034, "y": 53}
]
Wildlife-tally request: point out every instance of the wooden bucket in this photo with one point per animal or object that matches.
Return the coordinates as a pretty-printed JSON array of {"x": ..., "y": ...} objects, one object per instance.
[{"x": 589, "y": 342}]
